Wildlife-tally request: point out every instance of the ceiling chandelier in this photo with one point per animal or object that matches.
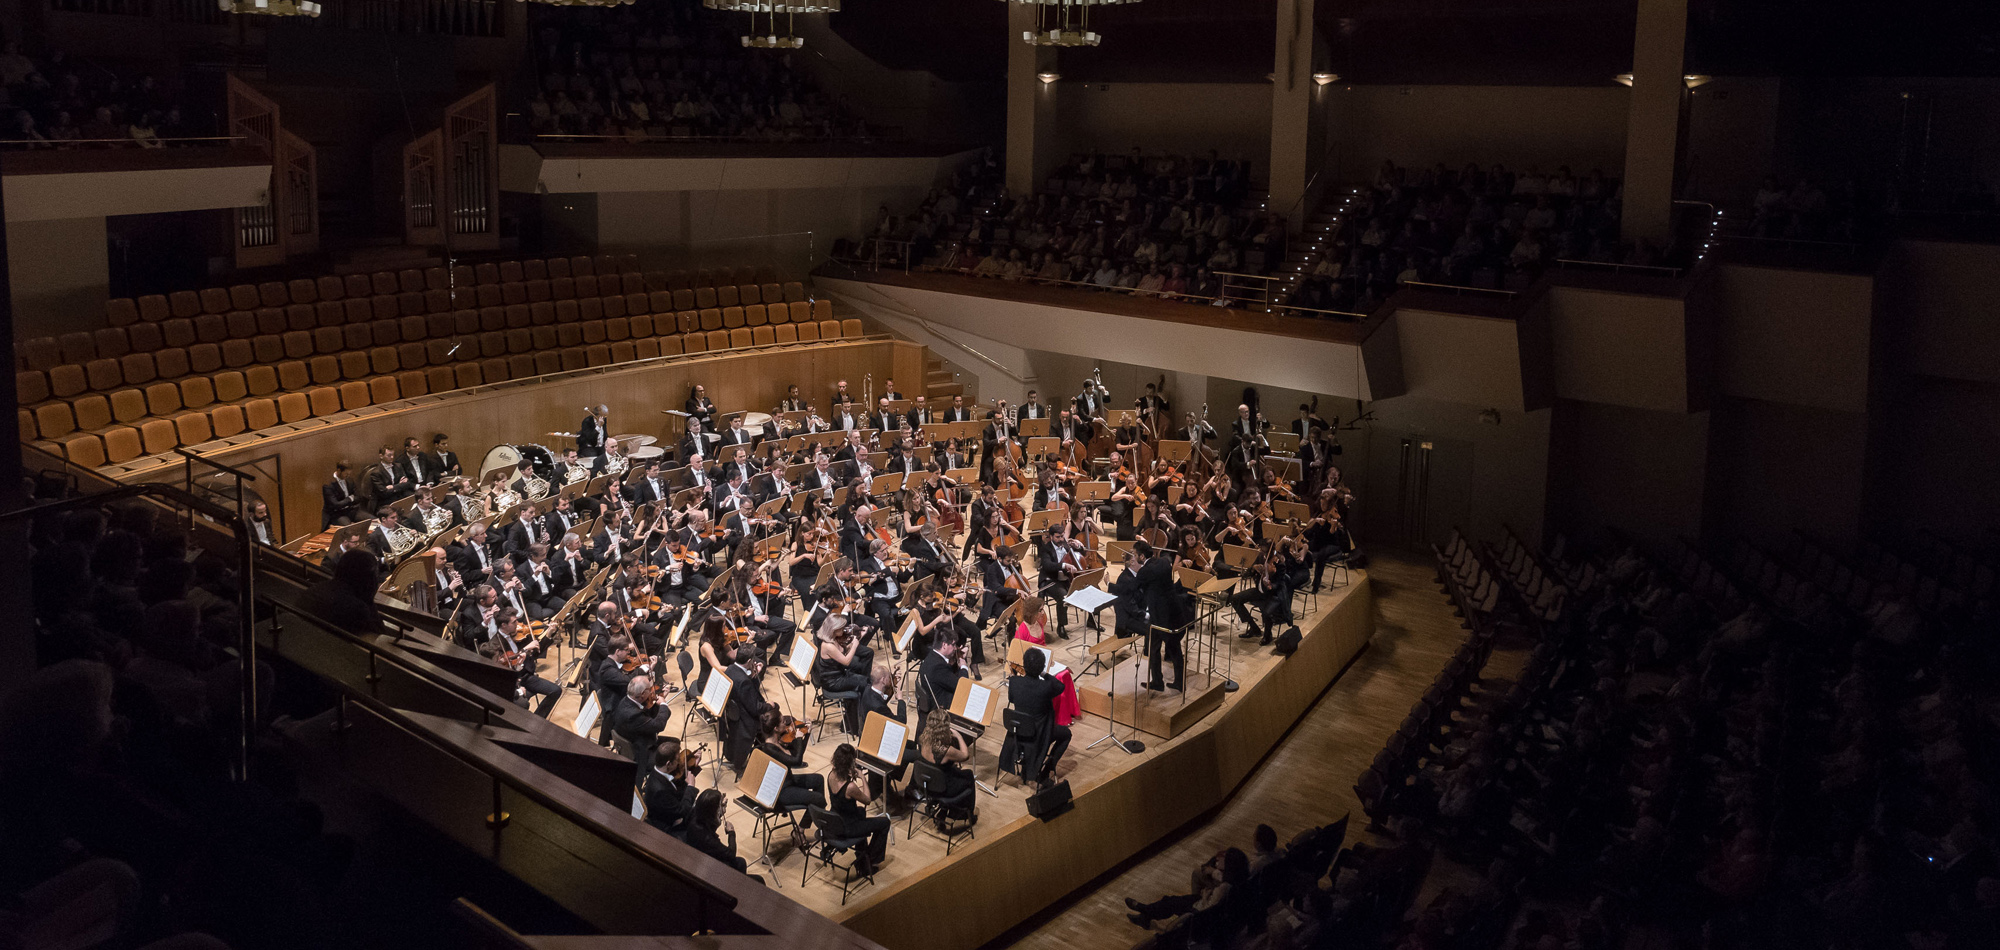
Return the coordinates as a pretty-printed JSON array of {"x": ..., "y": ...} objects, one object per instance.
[
  {"x": 1064, "y": 22},
  {"x": 770, "y": 38},
  {"x": 270, "y": 7}
]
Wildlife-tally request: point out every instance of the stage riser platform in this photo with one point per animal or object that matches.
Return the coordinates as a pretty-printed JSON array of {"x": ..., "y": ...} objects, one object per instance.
[{"x": 1164, "y": 714}]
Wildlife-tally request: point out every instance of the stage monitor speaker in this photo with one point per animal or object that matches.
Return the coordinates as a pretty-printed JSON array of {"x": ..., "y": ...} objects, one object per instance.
[{"x": 1050, "y": 802}]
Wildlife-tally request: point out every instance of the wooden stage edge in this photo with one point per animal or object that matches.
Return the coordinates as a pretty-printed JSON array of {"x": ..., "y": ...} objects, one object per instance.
[{"x": 1013, "y": 871}]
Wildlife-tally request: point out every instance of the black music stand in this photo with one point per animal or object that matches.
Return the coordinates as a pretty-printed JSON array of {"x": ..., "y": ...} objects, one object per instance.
[{"x": 1131, "y": 746}]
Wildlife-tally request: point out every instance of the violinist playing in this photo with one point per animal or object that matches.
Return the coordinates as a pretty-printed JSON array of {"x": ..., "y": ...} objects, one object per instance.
[
  {"x": 927, "y": 556},
  {"x": 764, "y": 600},
  {"x": 516, "y": 647},
  {"x": 783, "y": 738}
]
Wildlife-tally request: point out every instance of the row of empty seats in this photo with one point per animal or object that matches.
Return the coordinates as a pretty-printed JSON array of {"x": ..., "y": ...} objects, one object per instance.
[
  {"x": 301, "y": 328},
  {"x": 116, "y": 427},
  {"x": 416, "y": 340}
]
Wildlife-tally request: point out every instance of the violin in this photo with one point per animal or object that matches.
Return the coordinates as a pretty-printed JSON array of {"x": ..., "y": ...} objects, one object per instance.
[{"x": 790, "y": 730}]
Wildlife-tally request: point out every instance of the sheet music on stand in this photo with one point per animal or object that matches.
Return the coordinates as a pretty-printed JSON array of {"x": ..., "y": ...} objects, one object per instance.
[
  {"x": 715, "y": 692},
  {"x": 908, "y": 633},
  {"x": 1089, "y": 599},
  {"x": 799, "y": 663},
  {"x": 763, "y": 778}
]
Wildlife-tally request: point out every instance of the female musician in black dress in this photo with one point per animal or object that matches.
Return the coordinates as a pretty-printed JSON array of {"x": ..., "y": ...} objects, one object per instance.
[
  {"x": 943, "y": 747},
  {"x": 708, "y": 833},
  {"x": 848, "y": 785}
]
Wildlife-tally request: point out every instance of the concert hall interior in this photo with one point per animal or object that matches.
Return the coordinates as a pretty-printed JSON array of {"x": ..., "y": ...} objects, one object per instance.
[{"x": 975, "y": 474}]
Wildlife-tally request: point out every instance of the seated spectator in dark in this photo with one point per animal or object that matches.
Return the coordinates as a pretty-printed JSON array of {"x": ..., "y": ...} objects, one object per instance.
[
  {"x": 347, "y": 599},
  {"x": 1211, "y": 886}
]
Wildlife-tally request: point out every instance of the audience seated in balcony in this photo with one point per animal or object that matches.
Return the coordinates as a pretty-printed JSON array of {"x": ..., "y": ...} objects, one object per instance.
[
  {"x": 670, "y": 68},
  {"x": 58, "y": 102}
]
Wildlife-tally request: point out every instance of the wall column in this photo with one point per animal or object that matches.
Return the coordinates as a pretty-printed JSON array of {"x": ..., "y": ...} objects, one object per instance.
[
  {"x": 1653, "y": 124},
  {"x": 1031, "y": 105},
  {"x": 1295, "y": 115}
]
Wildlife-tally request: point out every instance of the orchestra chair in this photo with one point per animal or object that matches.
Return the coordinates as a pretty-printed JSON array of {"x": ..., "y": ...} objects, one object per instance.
[
  {"x": 925, "y": 780},
  {"x": 826, "y": 702},
  {"x": 833, "y": 842},
  {"x": 1012, "y": 750}
]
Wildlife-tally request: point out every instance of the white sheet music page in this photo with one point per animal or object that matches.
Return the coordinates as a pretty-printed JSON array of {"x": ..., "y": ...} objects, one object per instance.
[
  {"x": 891, "y": 749},
  {"x": 908, "y": 632},
  {"x": 800, "y": 662},
  {"x": 715, "y": 692},
  {"x": 975, "y": 703},
  {"x": 768, "y": 786}
]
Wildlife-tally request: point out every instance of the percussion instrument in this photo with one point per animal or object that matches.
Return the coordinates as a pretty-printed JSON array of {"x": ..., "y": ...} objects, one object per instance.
[
  {"x": 645, "y": 452},
  {"x": 635, "y": 440},
  {"x": 757, "y": 423}
]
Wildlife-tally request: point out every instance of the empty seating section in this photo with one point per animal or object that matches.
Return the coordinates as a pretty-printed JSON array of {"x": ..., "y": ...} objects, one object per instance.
[{"x": 224, "y": 362}]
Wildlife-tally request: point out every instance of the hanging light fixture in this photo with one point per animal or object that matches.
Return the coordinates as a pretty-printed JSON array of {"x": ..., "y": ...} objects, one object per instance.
[
  {"x": 270, "y": 7},
  {"x": 770, "y": 38},
  {"x": 1064, "y": 22}
]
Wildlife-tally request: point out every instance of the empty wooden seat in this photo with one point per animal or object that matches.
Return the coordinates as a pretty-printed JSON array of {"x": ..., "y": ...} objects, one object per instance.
[
  {"x": 163, "y": 399},
  {"x": 411, "y": 383},
  {"x": 850, "y": 328},
  {"x": 192, "y": 428},
  {"x": 830, "y": 330},
  {"x": 330, "y": 287},
  {"x": 534, "y": 268},
  {"x": 711, "y": 319},
  {"x": 694, "y": 342},
  {"x": 230, "y": 386},
  {"x": 739, "y": 337},
  {"x": 494, "y": 370},
  {"x": 558, "y": 266},
  {"x": 226, "y": 421},
  {"x": 623, "y": 352},
  {"x": 441, "y": 379},
  {"x": 158, "y": 435},
  {"x": 122, "y": 444},
  {"x": 293, "y": 407},
  {"x": 468, "y": 375},
  {"x": 40, "y": 352},
  {"x": 321, "y": 400},
  {"x": 268, "y": 347},
  {"x": 639, "y": 326},
  {"x": 802, "y": 311},
  {"x": 822, "y": 309},
  {"x": 510, "y": 271},
  {"x": 197, "y": 392},
  {"x": 54, "y": 420},
  {"x": 79, "y": 348},
  {"x": 383, "y": 282},
  {"x": 785, "y": 333},
  {"x": 597, "y": 355},
  {"x": 298, "y": 344},
  {"x": 294, "y": 374},
  {"x": 354, "y": 394},
  {"x": 520, "y": 366},
  {"x": 92, "y": 411},
  {"x": 383, "y": 360},
  {"x": 354, "y": 364},
  {"x": 615, "y": 330},
  {"x": 646, "y": 348},
  {"x": 302, "y": 290},
  {"x": 748, "y": 294},
  {"x": 704, "y": 297},
  {"x": 263, "y": 381},
  {"x": 330, "y": 339},
  {"x": 732, "y": 317},
  {"x": 84, "y": 451},
  {"x": 593, "y": 332},
  {"x": 147, "y": 337},
  {"x": 770, "y": 292},
  {"x": 718, "y": 339},
  {"x": 213, "y": 300},
  {"x": 67, "y": 380},
  {"x": 103, "y": 374},
  {"x": 755, "y": 315},
  {"x": 548, "y": 361},
  {"x": 30, "y": 386},
  {"x": 260, "y": 414},
  {"x": 411, "y": 355},
  {"x": 761, "y": 336},
  {"x": 808, "y": 331},
  {"x": 670, "y": 346},
  {"x": 728, "y": 296},
  {"x": 238, "y": 353},
  {"x": 613, "y": 306}
]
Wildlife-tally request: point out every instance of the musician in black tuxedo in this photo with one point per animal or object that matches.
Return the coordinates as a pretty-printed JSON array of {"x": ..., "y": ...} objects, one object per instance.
[
  {"x": 1033, "y": 407},
  {"x": 562, "y": 516},
  {"x": 745, "y": 707},
  {"x": 700, "y": 410},
  {"x": 1043, "y": 741},
  {"x": 443, "y": 460},
  {"x": 883, "y": 417},
  {"x": 638, "y": 718},
  {"x": 417, "y": 464},
  {"x": 472, "y": 555},
  {"x": 877, "y": 697},
  {"x": 590, "y": 436},
  {"x": 958, "y": 412},
  {"x": 668, "y": 788},
  {"x": 608, "y": 679},
  {"x": 339, "y": 500},
  {"x": 937, "y": 677},
  {"x": 650, "y": 486},
  {"x": 843, "y": 417},
  {"x": 735, "y": 434},
  {"x": 1147, "y": 599},
  {"x": 526, "y": 532},
  {"x": 387, "y": 481},
  {"x": 738, "y": 463},
  {"x": 503, "y": 646},
  {"x": 927, "y": 556},
  {"x": 920, "y": 415},
  {"x": 571, "y": 567},
  {"x": 538, "y": 578}
]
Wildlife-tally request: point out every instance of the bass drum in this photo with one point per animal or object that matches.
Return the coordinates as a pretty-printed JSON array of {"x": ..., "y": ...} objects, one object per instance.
[
  {"x": 541, "y": 459},
  {"x": 498, "y": 458}
]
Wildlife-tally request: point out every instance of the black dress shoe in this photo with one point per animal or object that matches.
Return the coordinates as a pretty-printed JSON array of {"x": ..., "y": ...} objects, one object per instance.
[
  {"x": 1250, "y": 634},
  {"x": 1132, "y": 904},
  {"x": 1176, "y": 687},
  {"x": 1154, "y": 686},
  {"x": 1062, "y": 634}
]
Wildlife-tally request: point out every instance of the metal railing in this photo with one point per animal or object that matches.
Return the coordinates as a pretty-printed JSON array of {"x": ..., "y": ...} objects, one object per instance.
[
  {"x": 1616, "y": 267},
  {"x": 127, "y": 142},
  {"x": 1459, "y": 288},
  {"x": 1259, "y": 304}
]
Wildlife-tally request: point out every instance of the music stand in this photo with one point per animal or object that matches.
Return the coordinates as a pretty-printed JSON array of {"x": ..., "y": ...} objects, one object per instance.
[
  {"x": 763, "y": 778},
  {"x": 1034, "y": 428},
  {"x": 971, "y": 711},
  {"x": 1290, "y": 511},
  {"x": 1098, "y": 651},
  {"x": 1091, "y": 492},
  {"x": 883, "y": 741},
  {"x": 1175, "y": 450}
]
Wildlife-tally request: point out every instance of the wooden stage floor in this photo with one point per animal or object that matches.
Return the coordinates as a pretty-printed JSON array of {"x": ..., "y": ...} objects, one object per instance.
[{"x": 1125, "y": 802}]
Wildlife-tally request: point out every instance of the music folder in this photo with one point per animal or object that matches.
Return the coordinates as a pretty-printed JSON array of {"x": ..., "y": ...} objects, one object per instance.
[
  {"x": 882, "y": 742},
  {"x": 715, "y": 692},
  {"x": 1093, "y": 491},
  {"x": 763, "y": 778},
  {"x": 972, "y": 704},
  {"x": 1018, "y": 650}
]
